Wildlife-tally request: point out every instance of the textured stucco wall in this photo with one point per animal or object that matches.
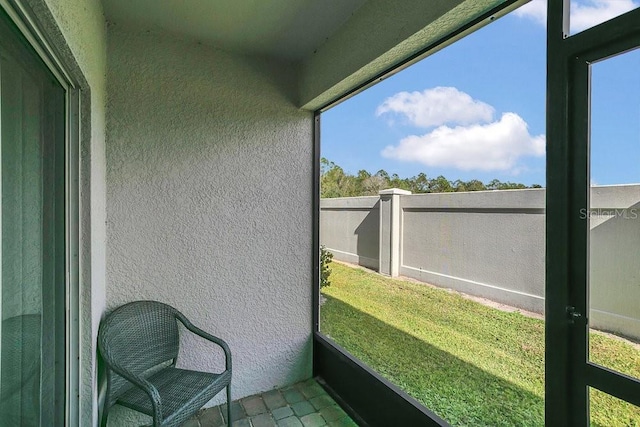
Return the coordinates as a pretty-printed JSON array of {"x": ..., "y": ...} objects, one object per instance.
[
  {"x": 349, "y": 228},
  {"x": 209, "y": 195},
  {"x": 77, "y": 30}
]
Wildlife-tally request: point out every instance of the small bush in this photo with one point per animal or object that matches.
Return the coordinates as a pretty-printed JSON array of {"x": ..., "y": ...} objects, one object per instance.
[{"x": 325, "y": 259}]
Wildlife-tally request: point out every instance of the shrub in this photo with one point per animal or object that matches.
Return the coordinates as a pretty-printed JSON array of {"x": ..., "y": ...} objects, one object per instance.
[{"x": 325, "y": 259}]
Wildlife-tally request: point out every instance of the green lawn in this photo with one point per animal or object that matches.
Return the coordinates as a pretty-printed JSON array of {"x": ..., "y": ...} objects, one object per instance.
[{"x": 471, "y": 364}]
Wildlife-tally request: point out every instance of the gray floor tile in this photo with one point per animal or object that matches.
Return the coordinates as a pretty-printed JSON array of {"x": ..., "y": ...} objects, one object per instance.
[
  {"x": 253, "y": 405},
  {"x": 304, "y": 404},
  {"x": 343, "y": 422},
  {"x": 263, "y": 420},
  {"x": 241, "y": 423},
  {"x": 302, "y": 408},
  {"x": 237, "y": 411},
  {"x": 322, "y": 401},
  {"x": 313, "y": 420},
  {"x": 292, "y": 395},
  {"x": 191, "y": 423},
  {"x": 274, "y": 399},
  {"x": 290, "y": 422},
  {"x": 332, "y": 413},
  {"x": 281, "y": 413},
  {"x": 310, "y": 389},
  {"x": 211, "y": 417}
]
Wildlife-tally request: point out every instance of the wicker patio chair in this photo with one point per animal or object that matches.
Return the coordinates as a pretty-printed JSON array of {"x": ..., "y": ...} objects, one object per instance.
[{"x": 139, "y": 342}]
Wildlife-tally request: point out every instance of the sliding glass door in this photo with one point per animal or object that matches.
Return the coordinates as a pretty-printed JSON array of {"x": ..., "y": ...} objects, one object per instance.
[{"x": 32, "y": 228}]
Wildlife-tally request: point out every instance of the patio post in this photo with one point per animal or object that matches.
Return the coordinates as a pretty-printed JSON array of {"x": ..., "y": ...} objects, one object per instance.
[{"x": 390, "y": 230}]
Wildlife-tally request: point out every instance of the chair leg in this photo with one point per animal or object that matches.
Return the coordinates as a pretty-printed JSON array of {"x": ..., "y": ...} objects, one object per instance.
[
  {"x": 103, "y": 418},
  {"x": 229, "y": 405}
]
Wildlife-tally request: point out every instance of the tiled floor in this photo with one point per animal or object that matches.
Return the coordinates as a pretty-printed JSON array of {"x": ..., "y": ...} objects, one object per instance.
[{"x": 305, "y": 404}]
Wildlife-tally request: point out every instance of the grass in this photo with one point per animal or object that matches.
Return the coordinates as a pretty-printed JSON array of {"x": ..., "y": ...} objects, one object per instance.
[{"x": 471, "y": 364}]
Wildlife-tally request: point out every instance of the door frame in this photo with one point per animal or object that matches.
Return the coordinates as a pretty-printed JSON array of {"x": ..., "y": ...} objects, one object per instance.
[
  {"x": 22, "y": 14},
  {"x": 568, "y": 372}
]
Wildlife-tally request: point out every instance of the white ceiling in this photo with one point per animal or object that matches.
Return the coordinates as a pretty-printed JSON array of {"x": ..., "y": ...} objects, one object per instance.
[{"x": 290, "y": 29}]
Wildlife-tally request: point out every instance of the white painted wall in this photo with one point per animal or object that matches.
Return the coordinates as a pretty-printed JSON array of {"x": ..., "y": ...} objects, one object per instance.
[
  {"x": 77, "y": 30},
  {"x": 209, "y": 195}
]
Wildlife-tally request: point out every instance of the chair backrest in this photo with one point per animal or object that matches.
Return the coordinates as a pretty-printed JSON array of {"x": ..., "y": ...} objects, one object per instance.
[{"x": 137, "y": 336}]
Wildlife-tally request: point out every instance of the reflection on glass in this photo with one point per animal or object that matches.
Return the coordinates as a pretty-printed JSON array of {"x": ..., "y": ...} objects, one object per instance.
[
  {"x": 589, "y": 13},
  {"x": 614, "y": 270},
  {"x": 583, "y": 14},
  {"x": 608, "y": 411},
  {"x": 21, "y": 254},
  {"x": 31, "y": 105}
]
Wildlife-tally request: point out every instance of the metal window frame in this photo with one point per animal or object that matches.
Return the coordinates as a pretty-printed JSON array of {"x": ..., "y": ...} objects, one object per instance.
[{"x": 24, "y": 18}]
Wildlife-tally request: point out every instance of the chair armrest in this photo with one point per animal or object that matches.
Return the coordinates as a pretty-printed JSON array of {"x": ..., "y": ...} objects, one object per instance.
[
  {"x": 191, "y": 327},
  {"x": 143, "y": 384}
]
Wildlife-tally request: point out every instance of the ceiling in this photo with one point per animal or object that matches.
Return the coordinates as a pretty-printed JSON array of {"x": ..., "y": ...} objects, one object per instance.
[{"x": 289, "y": 29}]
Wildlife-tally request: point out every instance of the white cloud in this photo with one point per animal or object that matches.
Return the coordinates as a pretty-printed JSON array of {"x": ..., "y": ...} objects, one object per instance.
[
  {"x": 535, "y": 9},
  {"x": 486, "y": 147},
  {"x": 437, "y": 106},
  {"x": 584, "y": 14}
]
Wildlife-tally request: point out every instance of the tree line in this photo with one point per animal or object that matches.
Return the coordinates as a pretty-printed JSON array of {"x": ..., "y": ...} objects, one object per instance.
[{"x": 334, "y": 182}]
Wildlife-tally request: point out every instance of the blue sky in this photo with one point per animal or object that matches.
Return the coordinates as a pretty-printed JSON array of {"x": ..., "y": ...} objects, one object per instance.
[{"x": 476, "y": 109}]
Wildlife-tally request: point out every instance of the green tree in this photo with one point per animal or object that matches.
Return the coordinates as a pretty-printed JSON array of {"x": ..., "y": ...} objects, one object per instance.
[
  {"x": 475, "y": 185},
  {"x": 373, "y": 184},
  {"x": 325, "y": 271},
  {"x": 497, "y": 185},
  {"x": 335, "y": 182},
  {"x": 332, "y": 179},
  {"x": 419, "y": 184},
  {"x": 440, "y": 185}
]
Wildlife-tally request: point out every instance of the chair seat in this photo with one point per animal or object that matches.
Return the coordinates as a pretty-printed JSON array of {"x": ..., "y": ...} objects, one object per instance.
[{"x": 182, "y": 392}]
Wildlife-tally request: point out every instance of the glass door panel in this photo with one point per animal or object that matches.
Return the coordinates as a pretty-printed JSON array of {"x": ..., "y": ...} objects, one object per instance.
[
  {"x": 31, "y": 263},
  {"x": 586, "y": 14},
  {"x": 609, "y": 411},
  {"x": 614, "y": 216}
]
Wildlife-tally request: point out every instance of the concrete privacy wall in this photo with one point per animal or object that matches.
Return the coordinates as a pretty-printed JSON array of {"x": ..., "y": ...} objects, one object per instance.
[
  {"x": 209, "y": 202},
  {"x": 614, "y": 270},
  {"x": 492, "y": 244},
  {"x": 489, "y": 244},
  {"x": 350, "y": 227}
]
